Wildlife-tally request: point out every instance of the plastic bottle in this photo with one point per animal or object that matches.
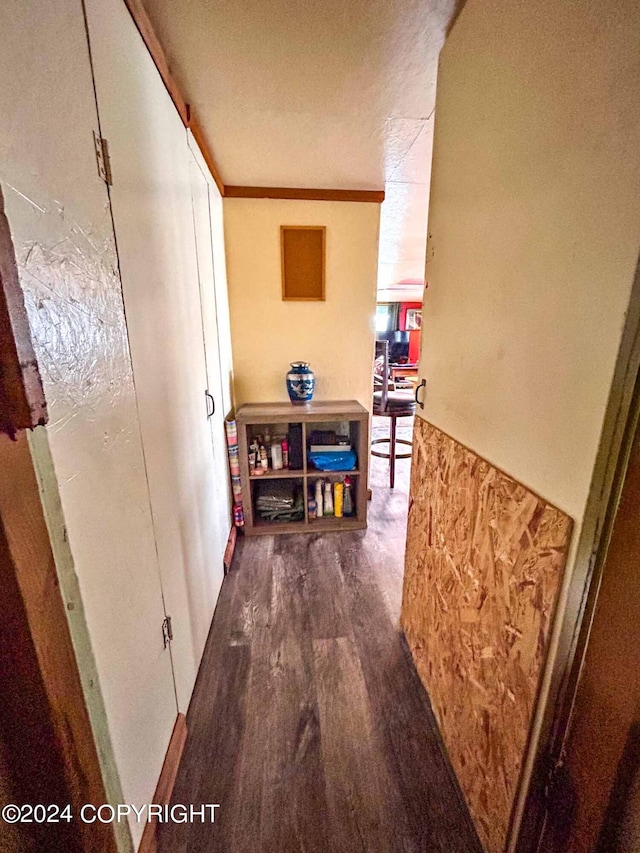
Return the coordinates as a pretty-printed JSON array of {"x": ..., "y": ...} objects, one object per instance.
[
  {"x": 276, "y": 456},
  {"x": 338, "y": 492},
  {"x": 285, "y": 452},
  {"x": 347, "y": 501},
  {"x": 264, "y": 459},
  {"x": 328, "y": 499},
  {"x": 319, "y": 501}
]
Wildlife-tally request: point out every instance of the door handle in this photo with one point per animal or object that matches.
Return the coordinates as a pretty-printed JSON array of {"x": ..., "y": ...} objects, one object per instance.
[
  {"x": 209, "y": 399},
  {"x": 423, "y": 384}
]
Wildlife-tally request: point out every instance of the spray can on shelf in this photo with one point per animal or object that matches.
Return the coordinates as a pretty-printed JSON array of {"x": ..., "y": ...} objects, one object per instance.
[
  {"x": 319, "y": 500},
  {"x": 338, "y": 491},
  {"x": 284, "y": 444}
]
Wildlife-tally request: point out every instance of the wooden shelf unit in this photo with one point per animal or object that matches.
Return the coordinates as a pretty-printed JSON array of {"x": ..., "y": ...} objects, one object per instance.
[{"x": 324, "y": 412}]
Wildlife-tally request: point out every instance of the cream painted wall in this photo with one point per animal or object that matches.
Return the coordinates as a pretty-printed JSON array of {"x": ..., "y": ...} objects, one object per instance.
[
  {"x": 534, "y": 225},
  {"x": 534, "y": 233},
  {"x": 335, "y": 336}
]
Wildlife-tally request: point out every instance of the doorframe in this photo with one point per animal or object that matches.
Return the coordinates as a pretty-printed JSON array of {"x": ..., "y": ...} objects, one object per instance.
[{"x": 621, "y": 417}]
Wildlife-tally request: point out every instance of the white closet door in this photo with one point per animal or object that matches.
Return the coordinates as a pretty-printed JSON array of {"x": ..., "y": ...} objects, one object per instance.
[
  {"x": 208, "y": 301},
  {"x": 152, "y": 210},
  {"x": 58, "y": 210}
]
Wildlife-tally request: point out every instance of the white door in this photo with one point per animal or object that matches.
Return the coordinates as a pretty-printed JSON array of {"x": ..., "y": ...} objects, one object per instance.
[
  {"x": 209, "y": 301},
  {"x": 58, "y": 210},
  {"x": 153, "y": 217}
]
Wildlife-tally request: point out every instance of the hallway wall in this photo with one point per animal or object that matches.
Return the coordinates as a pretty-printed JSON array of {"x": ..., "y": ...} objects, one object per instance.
[
  {"x": 336, "y": 336},
  {"x": 534, "y": 237}
]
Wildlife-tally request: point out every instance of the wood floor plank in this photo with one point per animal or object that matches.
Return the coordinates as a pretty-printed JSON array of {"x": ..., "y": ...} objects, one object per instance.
[
  {"x": 249, "y": 760},
  {"x": 208, "y": 773},
  {"x": 293, "y": 787},
  {"x": 294, "y": 804},
  {"x": 433, "y": 816},
  {"x": 317, "y": 581},
  {"x": 288, "y": 609},
  {"x": 280, "y": 784},
  {"x": 199, "y": 720},
  {"x": 252, "y": 594},
  {"x": 220, "y": 752},
  {"x": 354, "y": 771}
]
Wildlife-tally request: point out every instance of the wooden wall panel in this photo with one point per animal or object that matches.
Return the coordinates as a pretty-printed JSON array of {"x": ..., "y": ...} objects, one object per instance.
[{"x": 484, "y": 562}]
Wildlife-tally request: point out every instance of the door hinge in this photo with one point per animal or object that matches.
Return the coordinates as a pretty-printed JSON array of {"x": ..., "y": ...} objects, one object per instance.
[
  {"x": 167, "y": 631},
  {"x": 102, "y": 158}
]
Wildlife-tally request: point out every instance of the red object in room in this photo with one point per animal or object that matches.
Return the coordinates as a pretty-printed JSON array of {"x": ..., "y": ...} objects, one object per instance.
[{"x": 414, "y": 337}]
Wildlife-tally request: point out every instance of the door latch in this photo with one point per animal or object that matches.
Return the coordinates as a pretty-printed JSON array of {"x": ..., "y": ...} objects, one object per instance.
[{"x": 167, "y": 631}]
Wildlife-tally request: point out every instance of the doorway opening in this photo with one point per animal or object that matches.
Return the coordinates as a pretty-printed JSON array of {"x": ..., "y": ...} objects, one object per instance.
[{"x": 395, "y": 383}]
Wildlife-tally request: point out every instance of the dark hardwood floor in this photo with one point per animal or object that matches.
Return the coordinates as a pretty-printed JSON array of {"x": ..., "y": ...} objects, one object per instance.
[{"x": 308, "y": 724}]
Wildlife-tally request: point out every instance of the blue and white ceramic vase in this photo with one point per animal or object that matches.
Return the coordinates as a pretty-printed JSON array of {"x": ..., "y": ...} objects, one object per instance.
[{"x": 301, "y": 382}]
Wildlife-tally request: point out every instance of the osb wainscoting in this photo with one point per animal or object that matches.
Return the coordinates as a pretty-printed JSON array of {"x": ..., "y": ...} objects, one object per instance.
[{"x": 484, "y": 562}]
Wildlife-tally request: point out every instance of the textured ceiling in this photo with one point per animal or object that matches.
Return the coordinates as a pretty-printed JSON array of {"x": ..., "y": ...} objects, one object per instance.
[{"x": 328, "y": 94}]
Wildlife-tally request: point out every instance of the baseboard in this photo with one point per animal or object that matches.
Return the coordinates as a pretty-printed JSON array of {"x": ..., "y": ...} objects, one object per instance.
[
  {"x": 230, "y": 549},
  {"x": 164, "y": 788}
]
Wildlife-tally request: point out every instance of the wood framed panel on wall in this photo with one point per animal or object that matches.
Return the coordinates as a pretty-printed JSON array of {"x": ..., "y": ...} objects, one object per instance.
[{"x": 303, "y": 250}]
